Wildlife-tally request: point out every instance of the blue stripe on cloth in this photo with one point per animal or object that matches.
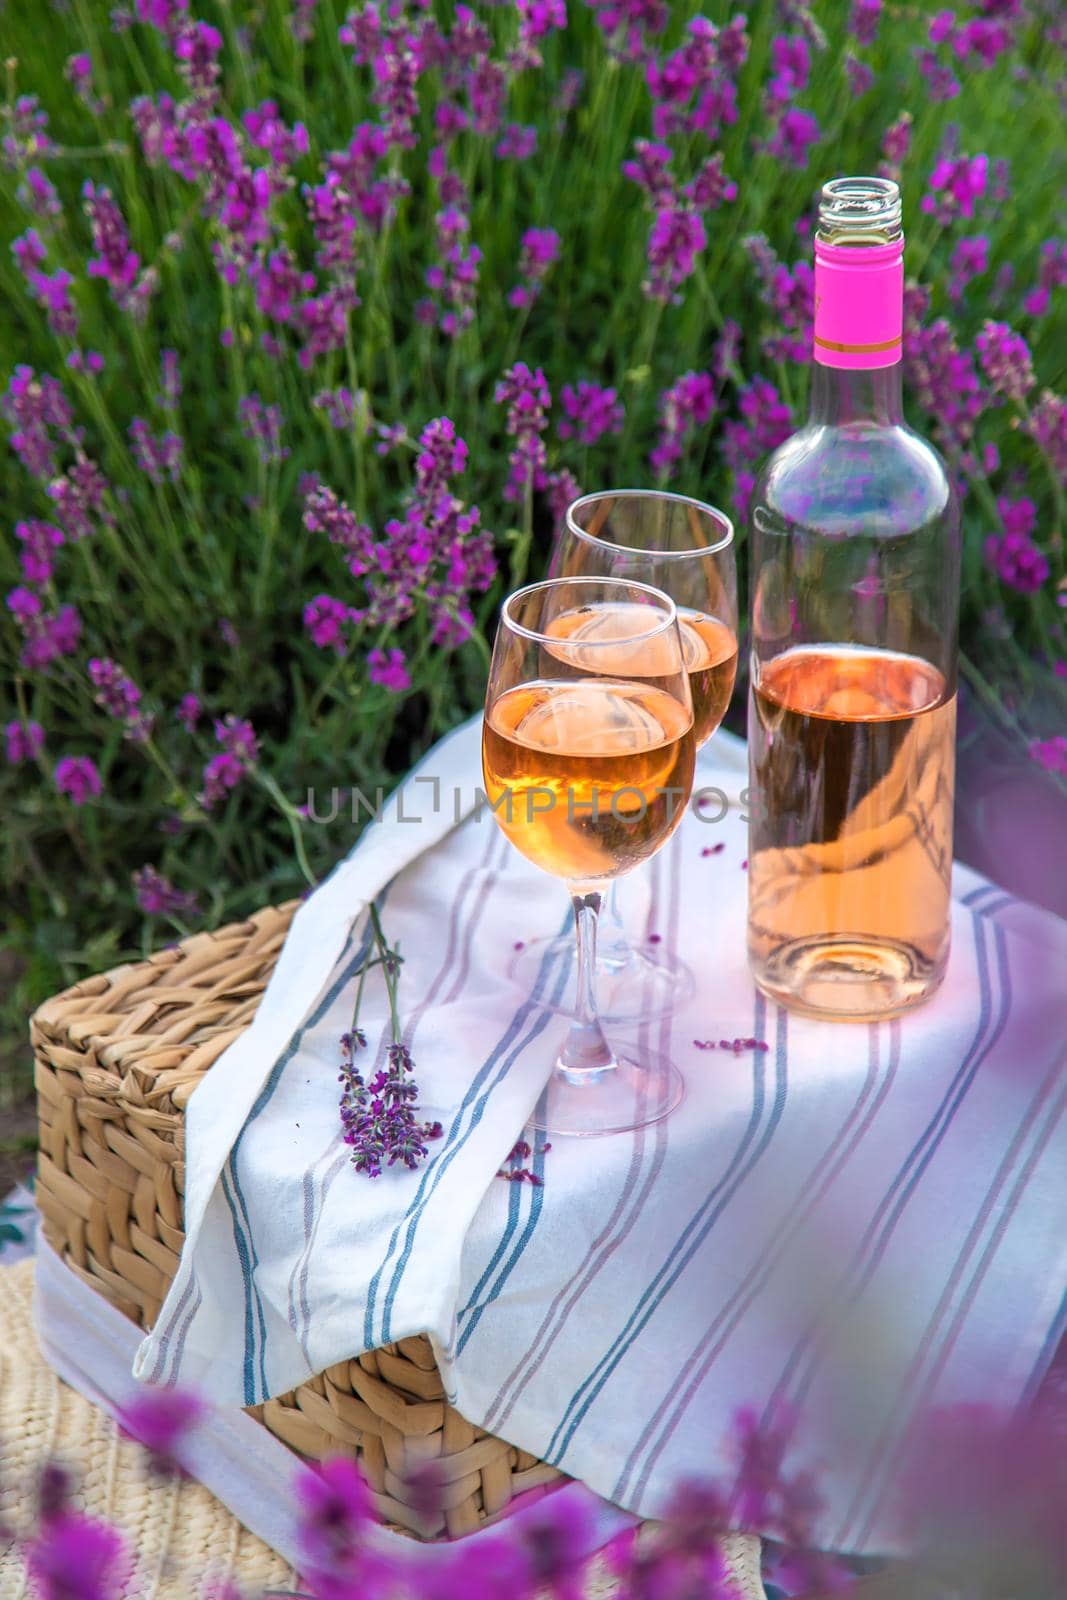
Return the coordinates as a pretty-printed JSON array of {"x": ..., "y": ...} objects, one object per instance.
[
  {"x": 813, "y": 1189},
  {"x": 689, "y": 1241},
  {"x": 244, "y": 1260},
  {"x": 922, "y": 1152},
  {"x": 533, "y": 1216},
  {"x": 974, "y": 895},
  {"x": 475, "y": 1102},
  {"x": 242, "y": 1230}
]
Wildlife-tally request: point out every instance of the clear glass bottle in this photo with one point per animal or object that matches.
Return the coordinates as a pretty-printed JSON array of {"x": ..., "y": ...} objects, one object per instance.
[{"x": 854, "y": 571}]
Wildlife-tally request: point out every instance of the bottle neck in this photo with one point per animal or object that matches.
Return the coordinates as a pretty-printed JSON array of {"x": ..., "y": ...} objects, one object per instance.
[{"x": 840, "y": 396}]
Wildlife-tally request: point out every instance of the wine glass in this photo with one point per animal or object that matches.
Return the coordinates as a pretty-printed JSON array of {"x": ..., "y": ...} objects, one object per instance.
[
  {"x": 686, "y": 549},
  {"x": 587, "y": 759}
]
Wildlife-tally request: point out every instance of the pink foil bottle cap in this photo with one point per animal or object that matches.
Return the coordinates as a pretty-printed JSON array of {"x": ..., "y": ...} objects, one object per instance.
[{"x": 859, "y": 274}]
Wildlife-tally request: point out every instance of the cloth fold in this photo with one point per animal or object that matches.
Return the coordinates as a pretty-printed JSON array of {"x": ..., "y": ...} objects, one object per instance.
[{"x": 886, "y": 1201}]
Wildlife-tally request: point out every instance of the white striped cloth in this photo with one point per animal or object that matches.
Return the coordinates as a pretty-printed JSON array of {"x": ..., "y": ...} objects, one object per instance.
[{"x": 863, "y": 1220}]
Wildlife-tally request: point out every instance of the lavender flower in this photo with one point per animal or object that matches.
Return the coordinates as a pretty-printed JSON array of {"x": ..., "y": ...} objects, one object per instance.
[
  {"x": 711, "y": 188},
  {"x": 454, "y": 278},
  {"x": 676, "y": 239},
  {"x": 79, "y": 498},
  {"x": 119, "y": 696},
  {"x": 793, "y": 137},
  {"x": 1050, "y": 753},
  {"x": 224, "y": 771},
  {"x": 41, "y": 415},
  {"x": 1047, "y": 424},
  {"x": 864, "y": 20},
  {"x": 157, "y": 1428},
  {"x": 325, "y": 620},
  {"x": 860, "y": 75},
  {"x": 115, "y": 261},
  {"x": 170, "y": 382},
  {"x": 591, "y": 412},
  {"x": 896, "y": 142},
  {"x": 956, "y": 185},
  {"x": 378, "y": 1117},
  {"x": 941, "y": 81},
  {"x": 540, "y": 251},
  {"x": 267, "y": 131},
  {"x": 78, "y": 779},
  {"x": 1052, "y": 274},
  {"x": 1005, "y": 359},
  {"x": 649, "y": 167},
  {"x": 339, "y": 406},
  {"x": 688, "y": 404},
  {"x": 26, "y": 139},
  {"x": 970, "y": 259},
  {"x": 279, "y": 284},
  {"x": 388, "y": 669},
  {"x": 159, "y": 456},
  {"x": 302, "y": 20},
  {"x": 526, "y": 395},
  {"x": 39, "y": 540},
  {"x": 262, "y": 425},
  {"x": 516, "y": 143},
  {"x": 47, "y": 635},
  {"x": 190, "y": 710},
  {"x": 39, "y": 194},
  {"x": 334, "y": 1516},
  {"x": 630, "y": 25},
  {"x": 76, "y": 1558},
  {"x": 945, "y": 381},
  {"x": 23, "y": 741},
  {"x": 79, "y": 74}
]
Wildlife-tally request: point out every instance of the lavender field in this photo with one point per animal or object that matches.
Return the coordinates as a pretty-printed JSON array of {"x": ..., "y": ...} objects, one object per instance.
[{"x": 313, "y": 321}]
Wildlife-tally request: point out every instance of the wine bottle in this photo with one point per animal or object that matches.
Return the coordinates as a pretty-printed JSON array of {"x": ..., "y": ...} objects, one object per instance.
[{"x": 855, "y": 554}]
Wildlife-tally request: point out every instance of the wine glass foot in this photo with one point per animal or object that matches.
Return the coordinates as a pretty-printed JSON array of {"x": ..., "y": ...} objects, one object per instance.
[
  {"x": 639, "y": 1090},
  {"x": 632, "y": 986}
]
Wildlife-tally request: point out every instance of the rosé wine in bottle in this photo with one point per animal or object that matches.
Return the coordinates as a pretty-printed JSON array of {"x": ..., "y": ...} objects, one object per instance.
[{"x": 855, "y": 593}]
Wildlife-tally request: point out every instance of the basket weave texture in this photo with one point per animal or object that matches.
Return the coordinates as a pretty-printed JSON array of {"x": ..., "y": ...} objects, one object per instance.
[{"x": 117, "y": 1058}]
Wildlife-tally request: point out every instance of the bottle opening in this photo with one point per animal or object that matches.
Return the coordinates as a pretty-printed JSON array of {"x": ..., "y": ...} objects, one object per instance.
[{"x": 860, "y": 211}]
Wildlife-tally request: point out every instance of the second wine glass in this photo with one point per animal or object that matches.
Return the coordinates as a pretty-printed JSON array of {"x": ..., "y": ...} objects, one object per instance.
[{"x": 685, "y": 548}]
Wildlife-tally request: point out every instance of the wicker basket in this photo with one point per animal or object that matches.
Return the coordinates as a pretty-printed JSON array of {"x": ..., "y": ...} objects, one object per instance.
[{"x": 117, "y": 1058}]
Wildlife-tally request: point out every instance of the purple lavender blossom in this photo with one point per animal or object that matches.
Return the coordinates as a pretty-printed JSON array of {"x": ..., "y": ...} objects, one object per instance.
[
  {"x": 688, "y": 404},
  {"x": 323, "y": 322},
  {"x": 540, "y": 252},
  {"x": 1050, "y": 753},
  {"x": 1014, "y": 557},
  {"x": 159, "y": 1429},
  {"x": 969, "y": 260},
  {"x": 896, "y": 142},
  {"x": 630, "y": 25},
  {"x": 865, "y": 20},
  {"x": 39, "y": 541},
  {"x": 78, "y": 779},
  {"x": 224, "y": 771},
  {"x": 40, "y": 412},
  {"x": 791, "y": 65},
  {"x": 79, "y": 74},
  {"x": 454, "y": 278},
  {"x": 50, "y": 290},
  {"x": 1005, "y": 359},
  {"x": 517, "y": 142},
  {"x": 75, "y": 1558},
  {"x": 711, "y": 188},
  {"x": 262, "y": 425},
  {"x": 39, "y": 194},
  {"x": 388, "y": 669},
  {"x": 79, "y": 496},
  {"x": 591, "y": 412},
  {"x": 119, "y": 696},
  {"x": 944, "y": 379},
  {"x": 1052, "y": 274},
  {"x": 526, "y": 395},
  {"x": 1047, "y": 424},
  {"x": 941, "y": 81},
  {"x": 190, "y": 710},
  {"x": 956, "y": 185},
  {"x": 325, "y": 620},
  {"x": 26, "y": 140},
  {"x": 649, "y": 168},
  {"x": 23, "y": 741},
  {"x": 676, "y": 239},
  {"x": 268, "y": 131},
  {"x": 279, "y": 284},
  {"x": 378, "y": 1118},
  {"x": 765, "y": 423},
  {"x": 338, "y": 405},
  {"x": 159, "y": 456},
  {"x": 793, "y": 137},
  {"x": 335, "y": 1514},
  {"x": 197, "y": 47},
  {"x": 47, "y": 635},
  {"x": 302, "y": 20},
  {"x": 860, "y": 75},
  {"x": 115, "y": 261}
]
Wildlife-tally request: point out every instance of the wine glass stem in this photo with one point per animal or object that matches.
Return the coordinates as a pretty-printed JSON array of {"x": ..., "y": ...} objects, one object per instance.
[
  {"x": 586, "y": 1054},
  {"x": 615, "y": 951}
]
